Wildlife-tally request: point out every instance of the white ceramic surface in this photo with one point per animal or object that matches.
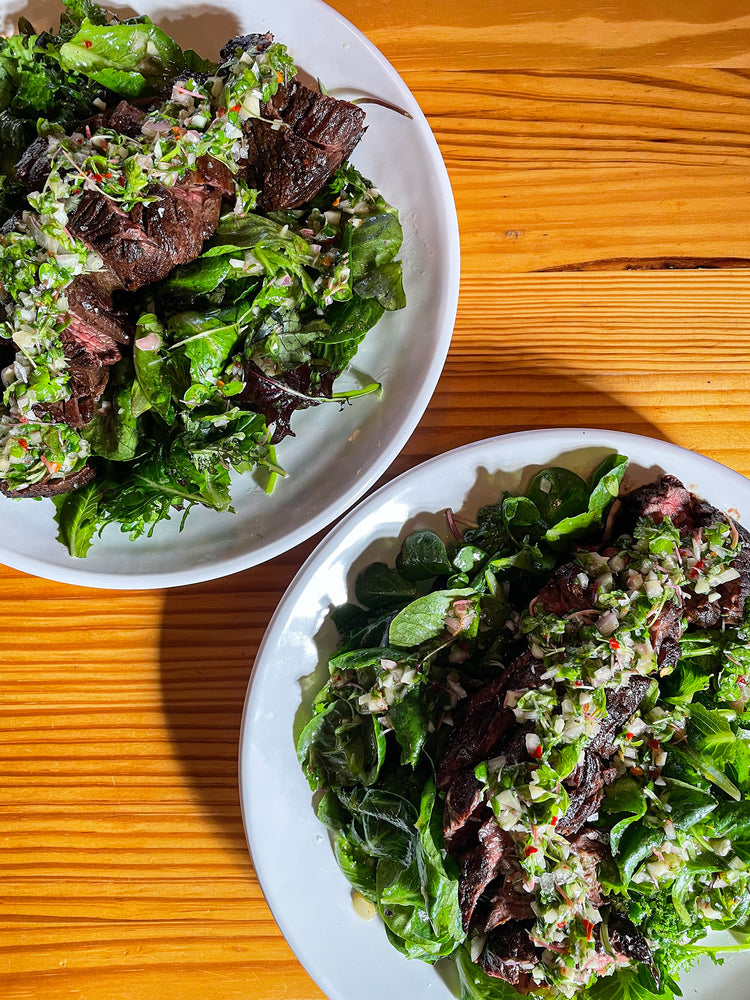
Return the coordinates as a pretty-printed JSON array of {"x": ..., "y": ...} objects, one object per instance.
[
  {"x": 337, "y": 454},
  {"x": 309, "y": 897}
]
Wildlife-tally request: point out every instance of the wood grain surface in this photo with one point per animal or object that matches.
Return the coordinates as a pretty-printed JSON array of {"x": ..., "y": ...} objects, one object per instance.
[{"x": 601, "y": 167}]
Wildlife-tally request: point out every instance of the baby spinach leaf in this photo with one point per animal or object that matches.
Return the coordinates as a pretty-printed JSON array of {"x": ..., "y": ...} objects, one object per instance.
[
  {"x": 557, "y": 494},
  {"x": 424, "y": 618},
  {"x": 475, "y": 984},
  {"x": 423, "y": 556},
  {"x": 379, "y": 586},
  {"x": 625, "y": 795},
  {"x": 151, "y": 368},
  {"x": 688, "y": 805},
  {"x": 636, "y": 844},
  {"x": 437, "y": 872},
  {"x": 732, "y": 820},
  {"x": 410, "y": 725},
  {"x": 404, "y": 911},
  {"x": 348, "y": 323},
  {"x": 468, "y": 558},
  {"x": 606, "y": 482},
  {"x": 207, "y": 339}
]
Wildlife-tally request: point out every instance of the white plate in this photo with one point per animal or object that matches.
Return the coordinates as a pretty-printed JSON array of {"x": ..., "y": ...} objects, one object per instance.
[
  {"x": 337, "y": 454},
  {"x": 307, "y": 893}
]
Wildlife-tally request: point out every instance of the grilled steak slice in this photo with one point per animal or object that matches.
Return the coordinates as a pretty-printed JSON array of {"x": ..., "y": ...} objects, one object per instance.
[
  {"x": 127, "y": 251},
  {"x": 591, "y": 848},
  {"x": 253, "y": 42},
  {"x": 585, "y": 785},
  {"x": 126, "y": 119},
  {"x": 483, "y": 722},
  {"x": 213, "y": 174},
  {"x": 462, "y": 801},
  {"x": 335, "y": 126},
  {"x": 665, "y": 498},
  {"x": 621, "y": 704},
  {"x": 292, "y": 156},
  {"x": 479, "y": 866},
  {"x": 86, "y": 384},
  {"x": 628, "y": 944},
  {"x": 33, "y": 168},
  {"x": 49, "y": 487},
  {"x": 509, "y": 954},
  {"x": 665, "y": 635},
  {"x": 91, "y": 303},
  {"x": 508, "y": 904},
  {"x": 85, "y": 346},
  {"x": 180, "y": 221},
  {"x": 564, "y": 591}
]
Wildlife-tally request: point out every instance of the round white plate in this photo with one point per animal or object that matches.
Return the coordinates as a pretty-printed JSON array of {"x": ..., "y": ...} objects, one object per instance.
[
  {"x": 337, "y": 454},
  {"x": 308, "y": 895}
]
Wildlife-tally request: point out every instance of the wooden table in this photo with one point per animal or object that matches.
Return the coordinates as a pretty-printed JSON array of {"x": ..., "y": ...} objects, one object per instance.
[{"x": 601, "y": 166}]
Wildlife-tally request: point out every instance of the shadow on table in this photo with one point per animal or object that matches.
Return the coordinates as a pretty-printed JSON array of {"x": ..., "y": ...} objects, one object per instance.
[{"x": 211, "y": 632}]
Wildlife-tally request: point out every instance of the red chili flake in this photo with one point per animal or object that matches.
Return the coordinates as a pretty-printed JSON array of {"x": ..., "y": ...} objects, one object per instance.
[
  {"x": 537, "y": 752},
  {"x": 614, "y": 644},
  {"x": 579, "y": 683},
  {"x": 628, "y": 736},
  {"x": 589, "y": 928},
  {"x": 698, "y": 566},
  {"x": 221, "y": 112},
  {"x": 87, "y": 44},
  {"x": 741, "y": 679},
  {"x": 108, "y": 174},
  {"x": 553, "y": 821},
  {"x": 236, "y": 107},
  {"x": 531, "y": 850},
  {"x": 98, "y": 178},
  {"x": 24, "y": 443}
]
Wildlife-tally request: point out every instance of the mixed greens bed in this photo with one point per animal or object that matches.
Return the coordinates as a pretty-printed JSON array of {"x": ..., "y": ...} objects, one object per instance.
[
  {"x": 227, "y": 347},
  {"x": 672, "y": 832}
]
